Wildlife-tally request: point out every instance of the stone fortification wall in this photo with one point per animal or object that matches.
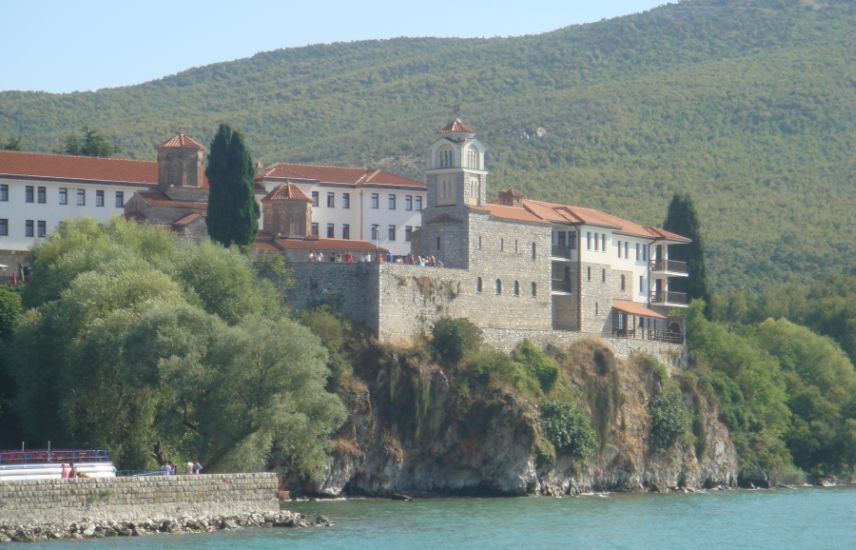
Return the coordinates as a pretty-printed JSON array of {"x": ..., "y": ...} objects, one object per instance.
[
  {"x": 349, "y": 288},
  {"x": 135, "y": 498}
]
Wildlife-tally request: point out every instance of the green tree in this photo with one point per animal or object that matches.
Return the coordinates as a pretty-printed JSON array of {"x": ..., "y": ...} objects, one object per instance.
[
  {"x": 10, "y": 312},
  {"x": 453, "y": 339},
  {"x": 568, "y": 429},
  {"x": 233, "y": 212},
  {"x": 91, "y": 144},
  {"x": 670, "y": 419},
  {"x": 12, "y": 144},
  {"x": 683, "y": 220}
]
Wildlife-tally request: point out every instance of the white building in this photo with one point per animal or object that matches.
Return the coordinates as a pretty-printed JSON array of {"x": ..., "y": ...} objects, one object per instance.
[{"x": 355, "y": 203}]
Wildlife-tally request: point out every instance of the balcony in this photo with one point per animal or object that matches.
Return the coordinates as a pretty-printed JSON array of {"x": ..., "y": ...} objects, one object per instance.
[
  {"x": 561, "y": 285},
  {"x": 666, "y": 298},
  {"x": 672, "y": 267},
  {"x": 562, "y": 252}
]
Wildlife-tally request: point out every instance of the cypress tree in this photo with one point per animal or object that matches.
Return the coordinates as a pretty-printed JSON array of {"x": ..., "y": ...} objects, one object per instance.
[
  {"x": 232, "y": 209},
  {"x": 683, "y": 220}
]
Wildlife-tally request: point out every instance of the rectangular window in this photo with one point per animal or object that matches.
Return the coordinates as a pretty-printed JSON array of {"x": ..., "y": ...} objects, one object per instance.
[
  {"x": 588, "y": 274},
  {"x": 641, "y": 284},
  {"x": 391, "y": 202},
  {"x": 419, "y": 204},
  {"x": 28, "y": 192},
  {"x": 120, "y": 199},
  {"x": 625, "y": 249},
  {"x": 315, "y": 199},
  {"x": 572, "y": 240},
  {"x": 63, "y": 195},
  {"x": 588, "y": 240},
  {"x": 43, "y": 228},
  {"x": 99, "y": 198},
  {"x": 603, "y": 242},
  {"x": 375, "y": 200},
  {"x": 346, "y": 231},
  {"x": 408, "y": 202},
  {"x": 331, "y": 231},
  {"x": 28, "y": 228},
  {"x": 331, "y": 200},
  {"x": 480, "y": 242},
  {"x": 346, "y": 200},
  {"x": 42, "y": 195},
  {"x": 81, "y": 197},
  {"x": 619, "y": 248},
  {"x": 315, "y": 228},
  {"x": 391, "y": 232},
  {"x": 4, "y": 193},
  {"x": 4, "y": 227},
  {"x": 375, "y": 231},
  {"x": 408, "y": 233},
  {"x": 644, "y": 252},
  {"x": 596, "y": 242},
  {"x": 637, "y": 251}
]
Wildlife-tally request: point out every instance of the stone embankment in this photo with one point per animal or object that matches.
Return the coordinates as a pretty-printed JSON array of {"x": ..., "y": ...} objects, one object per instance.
[{"x": 111, "y": 528}]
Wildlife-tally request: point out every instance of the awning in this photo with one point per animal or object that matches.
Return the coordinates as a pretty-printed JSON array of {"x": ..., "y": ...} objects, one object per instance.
[{"x": 633, "y": 308}]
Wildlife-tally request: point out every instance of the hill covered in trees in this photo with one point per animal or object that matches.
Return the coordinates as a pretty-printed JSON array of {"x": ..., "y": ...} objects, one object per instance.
[{"x": 748, "y": 106}]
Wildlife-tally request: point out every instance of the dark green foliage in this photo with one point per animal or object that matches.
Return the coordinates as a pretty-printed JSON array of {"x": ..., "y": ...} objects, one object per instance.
[
  {"x": 13, "y": 144},
  {"x": 10, "y": 311},
  {"x": 233, "y": 212},
  {"x": 568, "y": 429},
  {"x": 747, "y": 105},
  {"x": 453, "y": 339},
  {"x": 683, "y": 220},
  {"x": 90, "y": 144},
  {"x": 537, "y": 363},
  {"x": 334, "y": 332},
  {"x": 670, "y": 419}
]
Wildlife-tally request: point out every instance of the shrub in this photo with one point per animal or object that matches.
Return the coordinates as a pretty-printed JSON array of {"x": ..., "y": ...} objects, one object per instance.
[
  {"x": 452, "y": 339},
  {"x": 568, "y": 429},
  {"x": 669, "y": 419},
  {"x": 538, "y": 363}
]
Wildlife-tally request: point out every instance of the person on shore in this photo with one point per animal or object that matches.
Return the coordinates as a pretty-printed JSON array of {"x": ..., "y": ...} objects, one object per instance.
[
  {"x": 73, "y": 473},
  {"x": 66, "y": 471},
  {"x": 188, "y": 467},
  {"x": 197, "y": 468}
]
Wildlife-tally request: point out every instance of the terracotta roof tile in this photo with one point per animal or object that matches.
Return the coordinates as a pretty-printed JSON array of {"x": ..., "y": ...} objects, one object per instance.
[
  {"x": 514, "y": 213},
  {"x": 457, "y": 127},
  {"x": 181, "y": 141},
  {"x": 339, "y": 175},
  {"x": 69, "y": 167},
  {"x": 156, "y": 198},
  {"x": 193, "y": 216},
  {"x": 634, "y": 308},
  {"x": 266, "y": 242},
  {"x": 287, "y": 192}
]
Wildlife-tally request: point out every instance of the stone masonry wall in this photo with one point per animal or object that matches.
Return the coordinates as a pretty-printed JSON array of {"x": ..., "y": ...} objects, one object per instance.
[
  {"x": 596, "y": 296},
  {"x": 351, "y": 289},
  {"x": 135, "y": 498}
]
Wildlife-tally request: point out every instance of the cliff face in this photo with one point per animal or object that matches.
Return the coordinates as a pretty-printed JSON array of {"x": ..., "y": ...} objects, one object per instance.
[{"x": 420, "y": 428}]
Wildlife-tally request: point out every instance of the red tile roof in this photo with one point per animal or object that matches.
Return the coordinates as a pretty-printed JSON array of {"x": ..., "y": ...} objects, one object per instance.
[
  {"x": 514, "y": 213},
  {"x": 457, "y": 127},
  {"x": 287, "y": 192},
  {"x": 156, "y": 198},
  {"x": 181, "y": 141},
  {"x": 187, "y": 219},
  {"x": 69, "y": 167},
  {"x": 635, "y": 309},
  {"x": 264, "y": 241},
  {"x": 339, "y": 175}
]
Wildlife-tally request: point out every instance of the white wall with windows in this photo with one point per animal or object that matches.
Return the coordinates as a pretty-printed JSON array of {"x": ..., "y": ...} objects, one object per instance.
[
  {"x": 30, "y": 209},
  {"x": 603, "y": 245}
]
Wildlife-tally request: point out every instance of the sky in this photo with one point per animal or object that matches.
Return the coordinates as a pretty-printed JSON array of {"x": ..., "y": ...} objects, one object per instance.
[{"x": 70, "y": 45}]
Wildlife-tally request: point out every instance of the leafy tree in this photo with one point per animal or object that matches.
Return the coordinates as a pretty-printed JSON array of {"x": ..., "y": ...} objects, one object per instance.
[
  {"x": 452, "y": 339},
  {"x": 233, "y": 212},
  {"x": 13, "y": 144},
  {"x": 537, "y": 363},
  {"x": 683, "y": 220},
  {"x": 670, "y": 419},
  {"x": 91, "y": 144},
  {"x": 10, "y": 311},
  {"x": 568, "y": 429}
]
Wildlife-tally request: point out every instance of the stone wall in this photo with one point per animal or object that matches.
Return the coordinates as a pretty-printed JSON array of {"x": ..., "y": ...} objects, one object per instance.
[
  {"x": 135, "y": 498},
  {"x": 351, "y": 289}
]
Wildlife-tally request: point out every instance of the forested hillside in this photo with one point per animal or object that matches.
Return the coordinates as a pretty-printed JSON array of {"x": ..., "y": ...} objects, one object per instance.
[{"x": 748, "y": 105}]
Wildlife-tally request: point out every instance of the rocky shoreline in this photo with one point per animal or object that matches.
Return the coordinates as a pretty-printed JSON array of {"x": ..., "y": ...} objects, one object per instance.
[{"x": 184, "y": 524}]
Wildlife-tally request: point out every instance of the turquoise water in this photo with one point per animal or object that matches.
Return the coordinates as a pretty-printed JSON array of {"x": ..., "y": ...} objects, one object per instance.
[{"x": 802, "y": 518}]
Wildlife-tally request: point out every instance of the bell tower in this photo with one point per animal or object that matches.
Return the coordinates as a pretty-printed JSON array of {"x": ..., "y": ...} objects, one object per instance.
[
  {"x": 180, "y": 163},
  {"x": 456, "y": 174}
]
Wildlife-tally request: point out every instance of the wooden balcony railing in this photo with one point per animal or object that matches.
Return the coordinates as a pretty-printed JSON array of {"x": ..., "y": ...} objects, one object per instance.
[
  {"x": 673, "y": 266},
  {"x": 669, "y": 298}
]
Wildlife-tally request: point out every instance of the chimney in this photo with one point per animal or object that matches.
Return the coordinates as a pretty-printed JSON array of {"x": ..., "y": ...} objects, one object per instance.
[{"x": 510, "y": 198}]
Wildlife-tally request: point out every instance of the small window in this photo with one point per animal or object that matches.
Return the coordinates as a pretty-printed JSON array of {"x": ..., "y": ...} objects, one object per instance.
[
  {"x": 515, "y": 246},
  {"x": 641, "y": 284},
  {"x": 331, "y": 231},
  {"x": 42, "y": 195},
  {"x": 331, "y": 200},
  {"x": 501, "y": 244},
  {"x": 596, "y": 308},
  {"x": 120, "y": 199},
  {"x": 375, "y": 201},
  {"x": 478, "y": 285},
  {"x": 408, "y": 202},
  {"x": 480, "y": 243},
  {"x": 314, "y": 228},
  {"x": 596, "y": 242},
  {"x": 516, "y": 288},
  {"x": 637, "y": 251},
  {"x": 618, "y": 247},
  {"x": 4, "y": 227},
  {"x": 588, "y": 240},
  {"x": 626, "y": 255},
  {"x": 81, "y": 197},
  {"x": 603, "y": 275},
  {"x": 419, "y": 204},
  {"x": 63, "y": 195},
  {"x": 408, "y": 233},
  {"x": 391, "y": 201},
  {"x": 603, "y": 241},
  {"x": 346, "y": 200},
  {"x": 99, "y": 198},
  {"x": 623, "y": 283},
  {"x": 438, "y": 243},
  {"x": 315, "y": 199},
  {"x": 644, "y": 252},
  {"x": 28, "y": 228},
  {"x": 534, "y": 289},
  {"x": 28, "y": 194},
  {"x": 588, "y": 274},
  {"x": 43, "y": 228},
  {"x": 572, "y": 240},
  {"x": 346, "y": 231},
  {"x": 534, "y": 251},
  {"x": 498, "y": 287},
  {"x": 375, "y": 231},
  {"x": 391, "y": 232},
  {"x": 4, "y": 193}
]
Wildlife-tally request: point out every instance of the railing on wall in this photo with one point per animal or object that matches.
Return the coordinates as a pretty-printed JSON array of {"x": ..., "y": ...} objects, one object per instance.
[
  {"x": 37, "y": 456},
  {"x": 649, "y": 334},
  {"x": 562, "y": 252},
  {"x": 664, "y": 297},
  {"x": 562, "y": 285},
  {"x": 673, "y": 266}
]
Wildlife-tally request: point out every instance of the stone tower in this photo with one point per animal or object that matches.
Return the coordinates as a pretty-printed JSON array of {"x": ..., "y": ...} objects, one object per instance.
[
  {"x": 180, "y": 163},
  {"x": 287, "y": 212},
  {"x": 456, "y": 174}
]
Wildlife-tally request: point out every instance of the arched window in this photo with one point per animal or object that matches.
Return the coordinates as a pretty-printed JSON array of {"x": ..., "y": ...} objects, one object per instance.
[
  {"x": 588, "y": 273},
  {"x": 596, "y": 308},
  {"x": 445, "y": 158},
  {"x": 534, "y": 252},
  {"x": 478, "y": 284},
  {"x": 498, "y": 286},
  {"x": 516, "y": 288},
  {"x": 603, "y": 275},
  {"x": 501, "y": 244},
  {"x": 623, "y": 283},
  {"x": 473, "y": 158},
  {"x": 534, "y": 289}
]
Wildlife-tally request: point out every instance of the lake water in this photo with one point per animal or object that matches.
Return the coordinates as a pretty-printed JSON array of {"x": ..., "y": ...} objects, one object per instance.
[{"x": 801, "y": 518}]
